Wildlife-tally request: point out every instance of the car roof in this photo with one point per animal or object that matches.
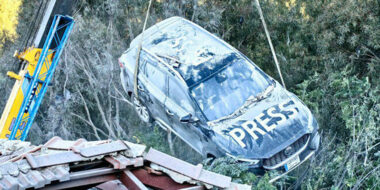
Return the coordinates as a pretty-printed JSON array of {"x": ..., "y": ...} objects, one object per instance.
[{"x": 198, "y": 53}]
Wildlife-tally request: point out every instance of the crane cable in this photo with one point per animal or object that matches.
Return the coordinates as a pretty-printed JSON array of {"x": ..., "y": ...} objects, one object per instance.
[
  {"x": 32, "y": 26},
  {"x": 270, "y": 42},
  {"x": 135, "y": 79}
]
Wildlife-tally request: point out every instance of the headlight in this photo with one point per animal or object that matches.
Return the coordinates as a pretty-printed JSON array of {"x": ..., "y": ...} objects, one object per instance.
[
  {"x": 314, "y": 144},
  {"x": 250, "y": 161}
]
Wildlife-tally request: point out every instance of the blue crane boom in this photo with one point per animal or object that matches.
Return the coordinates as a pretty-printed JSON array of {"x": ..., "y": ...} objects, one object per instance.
[
  {"x": 38, "y": 83},
  {"x": 38, "y": 63}
]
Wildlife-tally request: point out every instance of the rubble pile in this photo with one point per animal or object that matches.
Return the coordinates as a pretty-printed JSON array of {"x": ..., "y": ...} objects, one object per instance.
[{"x": 62, "y": 164}]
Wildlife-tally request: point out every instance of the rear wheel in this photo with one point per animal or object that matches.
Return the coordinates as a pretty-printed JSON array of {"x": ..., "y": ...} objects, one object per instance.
[{"x": 141, "y": 110}]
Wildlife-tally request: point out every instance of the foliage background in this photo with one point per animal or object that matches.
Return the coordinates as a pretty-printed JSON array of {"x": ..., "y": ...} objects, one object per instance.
[
  {"x": 329, "y": 51},
  {"x": 9, "y": 10}
]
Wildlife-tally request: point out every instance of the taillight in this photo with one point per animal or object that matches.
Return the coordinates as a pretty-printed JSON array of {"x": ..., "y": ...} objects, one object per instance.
[{"x": 120, "y": 64}]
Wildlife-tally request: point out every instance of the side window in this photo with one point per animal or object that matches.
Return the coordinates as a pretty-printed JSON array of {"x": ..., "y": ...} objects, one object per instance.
[
  {"x": 142, "y": 64},
  {"x": 179, "y": 96},
  {"x": 155, "y": 75}
]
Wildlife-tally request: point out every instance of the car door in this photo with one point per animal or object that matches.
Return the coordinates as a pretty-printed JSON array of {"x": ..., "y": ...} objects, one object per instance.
[
  {"x": 179, "y": 104},
  {"x": 152, "y": 86}
]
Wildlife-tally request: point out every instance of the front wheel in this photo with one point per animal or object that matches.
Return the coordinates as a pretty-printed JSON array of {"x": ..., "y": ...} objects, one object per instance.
[{"x": 141, "y": 110}]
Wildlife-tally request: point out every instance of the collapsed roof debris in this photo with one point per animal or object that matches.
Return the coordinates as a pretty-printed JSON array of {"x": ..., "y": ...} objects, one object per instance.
[{"x": 61, "y": 164}]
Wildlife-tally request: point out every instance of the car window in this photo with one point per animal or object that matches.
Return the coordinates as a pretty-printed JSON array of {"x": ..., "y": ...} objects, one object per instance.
[
  {"x": 178, "y": 94},
  {"x": 154, "y": 74},
  {"x": 142, "y": 63},
  {"x": 227, "y": 90}
]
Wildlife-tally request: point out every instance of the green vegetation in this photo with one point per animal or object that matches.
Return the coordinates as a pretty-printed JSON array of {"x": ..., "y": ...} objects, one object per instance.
[
  {"x": 9, "y": 10},
  {"x": 329, "y": 52}
]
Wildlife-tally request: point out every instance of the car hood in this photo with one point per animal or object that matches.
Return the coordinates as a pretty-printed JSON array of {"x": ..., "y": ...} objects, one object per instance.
[{"x": 265, "y": 127}]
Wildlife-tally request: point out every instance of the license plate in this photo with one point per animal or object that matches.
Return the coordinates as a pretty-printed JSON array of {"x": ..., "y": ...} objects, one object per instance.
[{"x": 292, "y": 163}]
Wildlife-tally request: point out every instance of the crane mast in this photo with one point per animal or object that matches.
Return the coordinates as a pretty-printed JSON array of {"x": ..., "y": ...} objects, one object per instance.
[{"x": 38, "y": 63}]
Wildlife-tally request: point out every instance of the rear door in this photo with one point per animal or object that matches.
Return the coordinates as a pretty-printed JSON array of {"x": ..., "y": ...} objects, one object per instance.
[{"x": 152, "y": 86}]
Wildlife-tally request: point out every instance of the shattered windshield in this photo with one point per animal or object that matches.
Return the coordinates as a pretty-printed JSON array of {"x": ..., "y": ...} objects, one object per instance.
[{"x": 229, "y": 88}]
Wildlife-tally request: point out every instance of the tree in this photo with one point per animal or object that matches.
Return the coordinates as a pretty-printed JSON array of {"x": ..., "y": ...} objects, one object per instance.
[
  {"x": 329, "y": 53},
  {"x": 9, "y": 10}
]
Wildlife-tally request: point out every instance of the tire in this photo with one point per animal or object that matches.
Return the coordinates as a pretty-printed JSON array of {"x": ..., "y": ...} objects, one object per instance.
[
  {"x": 141, "y": 110},
  {"x": 210, "y": 158},
  {"x": 208, "y": 155}
]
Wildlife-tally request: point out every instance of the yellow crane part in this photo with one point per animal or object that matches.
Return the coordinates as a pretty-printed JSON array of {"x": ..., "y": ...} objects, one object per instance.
[
  {"x": 30, "y": 59},
  {"x": 13, "y": 75}
]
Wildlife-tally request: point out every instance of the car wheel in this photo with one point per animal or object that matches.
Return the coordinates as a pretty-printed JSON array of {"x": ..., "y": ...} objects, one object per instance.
[
  {"x": 208, "y": 155},
  {"x": 209, "y": 159},
  {"x": 141, "y": 110}
]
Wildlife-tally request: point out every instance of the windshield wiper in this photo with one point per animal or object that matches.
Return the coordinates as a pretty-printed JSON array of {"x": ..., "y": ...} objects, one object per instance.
[
  {"x": 247, "y": 103},
  {"x": 257, "y": 98},
  {"x": 261, "y": 95}
]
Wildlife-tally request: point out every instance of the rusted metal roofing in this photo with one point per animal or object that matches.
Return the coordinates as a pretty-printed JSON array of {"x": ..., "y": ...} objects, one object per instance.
[
  {"x": 187, "y": 169},
  {"x": 62, "y": 164}
]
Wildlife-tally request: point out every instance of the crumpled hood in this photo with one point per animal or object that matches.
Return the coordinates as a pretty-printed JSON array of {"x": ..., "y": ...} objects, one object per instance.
[{"x": 265, "y": 127}]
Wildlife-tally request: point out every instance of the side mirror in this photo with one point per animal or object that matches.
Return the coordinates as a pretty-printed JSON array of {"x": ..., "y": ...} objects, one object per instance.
[{"x": 188, "y": 119}]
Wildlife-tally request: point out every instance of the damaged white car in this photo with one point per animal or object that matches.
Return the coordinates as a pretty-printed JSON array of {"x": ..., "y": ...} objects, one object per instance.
[{"x": 216, "y": 99}]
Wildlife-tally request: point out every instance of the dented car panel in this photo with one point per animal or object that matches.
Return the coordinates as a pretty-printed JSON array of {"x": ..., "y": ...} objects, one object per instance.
[
  {"x": 266, "y": 126},
  {"x": 216, "y": 99}
]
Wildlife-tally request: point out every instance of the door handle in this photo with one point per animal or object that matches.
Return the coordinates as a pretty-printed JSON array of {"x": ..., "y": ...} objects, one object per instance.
[
  {"x": 140, "y": 88},
  {"x": 169, "y": 112}
]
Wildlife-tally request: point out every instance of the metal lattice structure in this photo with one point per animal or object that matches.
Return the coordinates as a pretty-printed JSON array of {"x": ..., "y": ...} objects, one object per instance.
[{"x": 38, "y": 82}]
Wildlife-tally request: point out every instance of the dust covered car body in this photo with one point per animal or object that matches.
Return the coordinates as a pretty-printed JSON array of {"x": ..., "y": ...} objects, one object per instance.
[{"x": 216, "y": 99}]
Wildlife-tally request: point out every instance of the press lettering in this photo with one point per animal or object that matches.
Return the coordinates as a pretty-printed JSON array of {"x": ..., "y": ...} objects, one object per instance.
[
  {"x": 238, "y": 134},
  {"x": 251, "y": 128},
  {"x": 263, "y": 123}
]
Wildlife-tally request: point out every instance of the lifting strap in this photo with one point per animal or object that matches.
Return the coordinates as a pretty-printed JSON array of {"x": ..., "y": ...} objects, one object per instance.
[
  {"x": 270, "y": 41},
  {"x": 135, "y": 79}
]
